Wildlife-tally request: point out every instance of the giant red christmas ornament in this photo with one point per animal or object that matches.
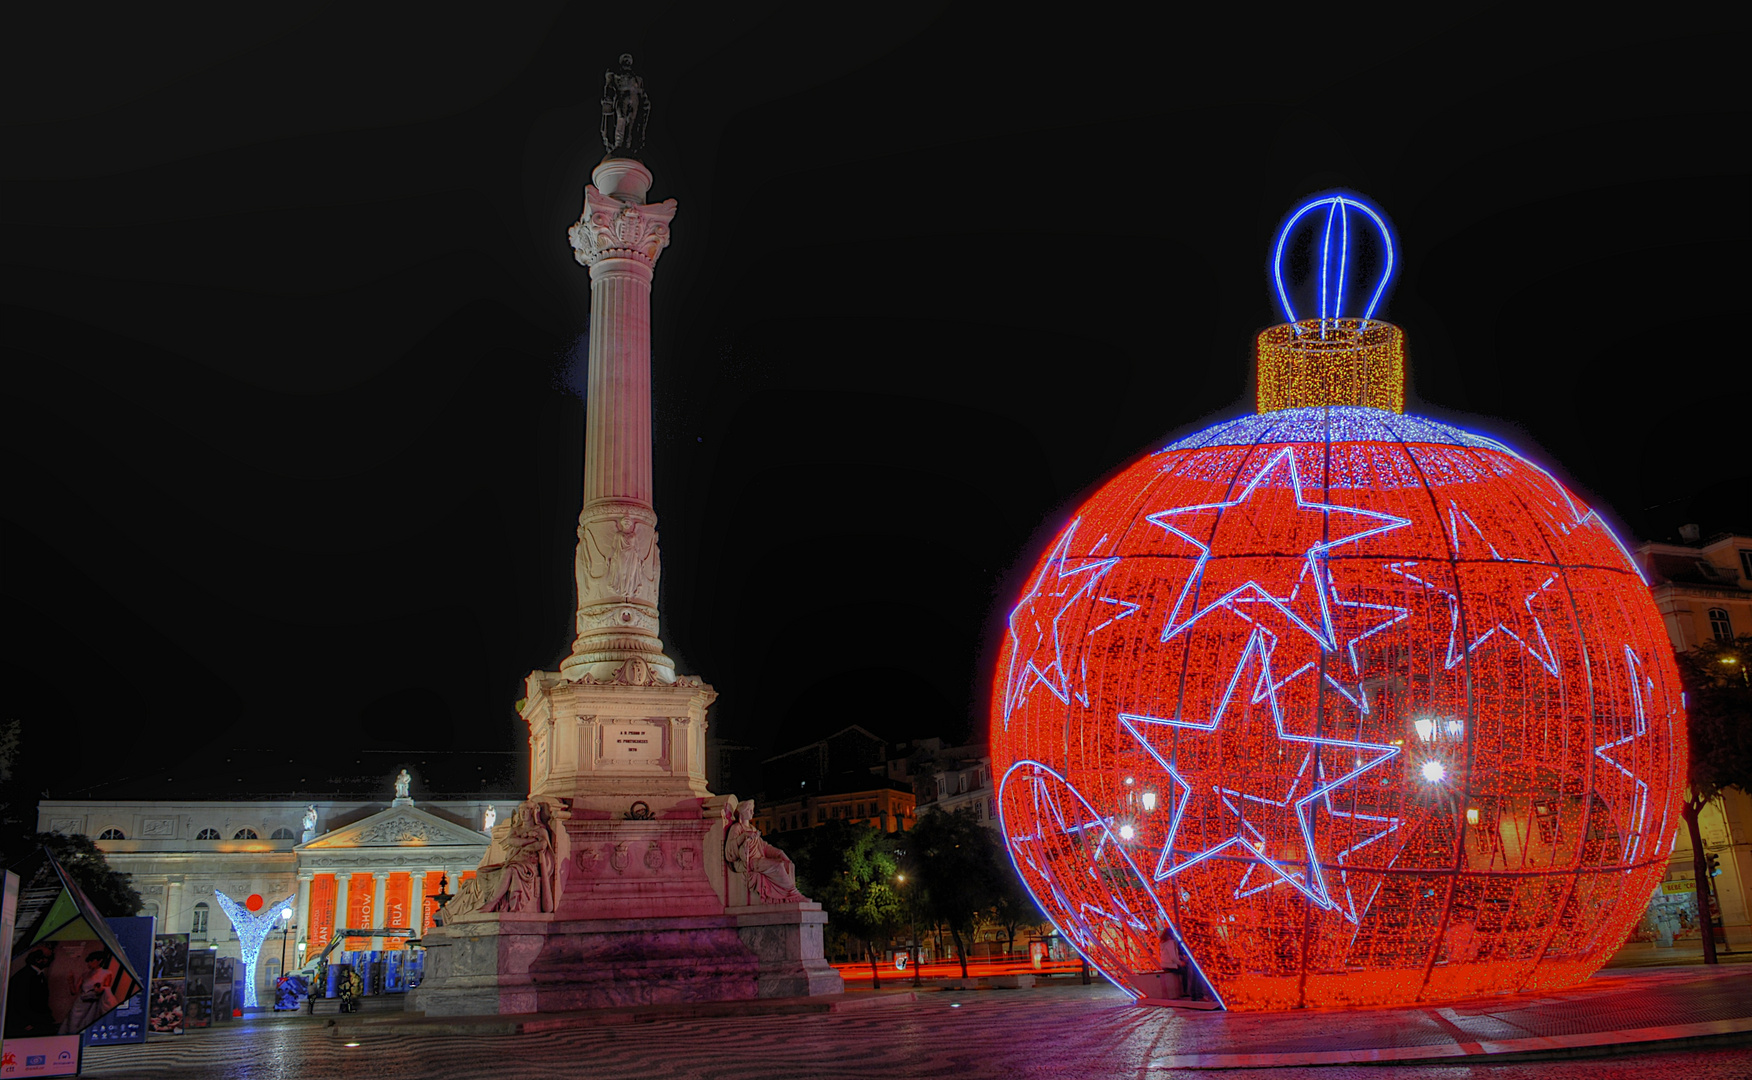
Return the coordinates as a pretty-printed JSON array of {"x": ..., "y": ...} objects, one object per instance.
[{"x": 1357, "y": 707}]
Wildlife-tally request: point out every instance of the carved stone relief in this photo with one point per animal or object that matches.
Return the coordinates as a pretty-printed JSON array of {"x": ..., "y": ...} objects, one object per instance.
[
  {"x": 654, "y": 856},
  {"x": 617, "y": 562},
  {"x": 622, "y": 855},
  {"x": 686, "y": 858},
  {"x": 611, "y": 229},
  {"x": 398, "y": 830}
]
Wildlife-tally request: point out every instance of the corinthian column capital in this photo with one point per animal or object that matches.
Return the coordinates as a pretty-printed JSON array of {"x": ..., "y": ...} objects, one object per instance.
[{"x": 615, "y": 228}]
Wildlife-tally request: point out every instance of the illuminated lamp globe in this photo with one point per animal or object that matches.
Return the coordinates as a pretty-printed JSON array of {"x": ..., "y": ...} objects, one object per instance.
[{"x": 1410, "y": 714}]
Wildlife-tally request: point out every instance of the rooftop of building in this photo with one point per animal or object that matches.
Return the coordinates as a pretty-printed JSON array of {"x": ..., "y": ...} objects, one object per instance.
[{"x": 277, "y": 775}]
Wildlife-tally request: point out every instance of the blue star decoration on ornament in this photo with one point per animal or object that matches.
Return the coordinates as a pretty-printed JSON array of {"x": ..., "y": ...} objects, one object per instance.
[
  {"x": 1622, "y": 749},
  {"x": 1260, "y": 518},
  {"x": 1038, "y": 630},
  {"x": 1475, "y": 614},
  {"x": 1245, "y": 812}
]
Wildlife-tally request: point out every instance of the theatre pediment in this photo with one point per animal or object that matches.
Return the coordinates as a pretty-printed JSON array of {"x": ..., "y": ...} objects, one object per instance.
[{"x": 398, "y": 826}]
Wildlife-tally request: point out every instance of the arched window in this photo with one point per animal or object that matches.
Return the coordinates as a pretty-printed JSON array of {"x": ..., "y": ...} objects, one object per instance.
[
  {"x": 1720, "y": 625},
  {"x": 111, "y": 834},
  {"x": 198, "y": 920},
  {"x": 282, "y": 833},
  {"x": 246, "y": 834},
  {"x": 208, "y": 834}
]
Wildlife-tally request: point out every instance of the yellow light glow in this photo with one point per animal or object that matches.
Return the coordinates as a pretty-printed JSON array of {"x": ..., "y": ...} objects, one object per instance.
[{"x": 1319, "y": 362}]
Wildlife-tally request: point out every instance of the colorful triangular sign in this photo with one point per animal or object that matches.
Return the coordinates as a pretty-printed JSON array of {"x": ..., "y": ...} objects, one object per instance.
[{"x": 52, "y": 908}]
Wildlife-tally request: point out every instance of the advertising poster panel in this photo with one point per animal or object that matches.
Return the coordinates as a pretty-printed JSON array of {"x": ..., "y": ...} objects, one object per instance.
[
  {"x": 170, "y": 968},
  {"x": 224, "y": 988},
  {"x": 8, "y": 922},
  {"x": 164, "y": 1008},
  {"x": 52, "y": 1055},
  {"x": 66, "y": 972},
  {"x": 198, "y": 991},
  {"x": 127, "y": 1024}
]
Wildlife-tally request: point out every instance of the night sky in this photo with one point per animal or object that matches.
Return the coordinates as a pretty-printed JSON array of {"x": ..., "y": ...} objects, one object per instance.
[{"x": 293, "y": 334}]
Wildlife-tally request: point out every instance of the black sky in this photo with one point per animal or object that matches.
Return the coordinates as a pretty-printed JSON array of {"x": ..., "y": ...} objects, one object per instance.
[{"x": 293, "y": 439}]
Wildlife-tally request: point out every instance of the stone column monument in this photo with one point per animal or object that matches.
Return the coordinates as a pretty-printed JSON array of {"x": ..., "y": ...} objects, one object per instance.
[{"x": 613, "y": 883}]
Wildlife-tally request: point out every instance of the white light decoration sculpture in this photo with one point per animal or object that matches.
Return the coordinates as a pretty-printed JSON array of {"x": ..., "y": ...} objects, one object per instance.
[{"x": 252, "y": 929}]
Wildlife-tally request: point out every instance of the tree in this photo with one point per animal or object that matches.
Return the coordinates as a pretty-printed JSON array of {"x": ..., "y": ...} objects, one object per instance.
[
  {"x": 957, "y": 866},
  {"x": 11, "y": 803},
  {"x": 1718, "y": 699},
  {"x": 856, "y": 886},
  {"x": 110, "y": 890},
  {"x": 1014, "y": 906}
]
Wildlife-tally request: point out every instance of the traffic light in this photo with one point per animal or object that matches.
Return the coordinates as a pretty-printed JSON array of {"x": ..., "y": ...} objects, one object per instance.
[{"x": 1714, "y": 865}]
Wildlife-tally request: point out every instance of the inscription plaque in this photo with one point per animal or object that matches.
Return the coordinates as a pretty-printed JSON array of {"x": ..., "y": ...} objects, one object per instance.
[{"x": 632, "y": 743}]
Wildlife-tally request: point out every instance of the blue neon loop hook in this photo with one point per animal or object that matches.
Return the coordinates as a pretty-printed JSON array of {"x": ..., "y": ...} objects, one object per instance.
[{"x": 1338, "y": 211}]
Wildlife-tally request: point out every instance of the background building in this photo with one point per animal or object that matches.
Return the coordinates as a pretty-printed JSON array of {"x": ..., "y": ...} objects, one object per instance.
[
  {"x": 949, "y": 778},
  {"x": 1703, "y": 590},
  {"x": 368, "y": 863}
]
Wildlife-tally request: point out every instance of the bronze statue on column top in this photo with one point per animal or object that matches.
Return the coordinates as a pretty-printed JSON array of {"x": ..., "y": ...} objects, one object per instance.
[{"x": 625, "y": 110}]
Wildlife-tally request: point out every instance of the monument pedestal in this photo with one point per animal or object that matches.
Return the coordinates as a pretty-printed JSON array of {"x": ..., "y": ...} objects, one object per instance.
[
  {"x": 787, "y": 939},
  {"x": 518, "y": 965},
  {"x": 624, "y": 896}
]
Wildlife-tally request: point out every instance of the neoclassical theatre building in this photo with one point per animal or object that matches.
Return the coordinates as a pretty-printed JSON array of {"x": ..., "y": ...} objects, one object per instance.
[{"x": 361, "y": 859}]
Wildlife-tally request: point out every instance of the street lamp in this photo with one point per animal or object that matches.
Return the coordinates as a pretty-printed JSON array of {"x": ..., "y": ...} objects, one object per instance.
[
  {"x": 285, "y": 932},
  {"x": 914, "y": 948}
]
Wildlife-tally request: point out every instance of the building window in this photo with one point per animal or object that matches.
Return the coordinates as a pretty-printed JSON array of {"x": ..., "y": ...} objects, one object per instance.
[
  {"x": 1720, "y": 625},
  {"x": 198, "y": 921},
  {"x": 208, "y": 834},
  {"x": 246, "y": 834},
  {"x": 1746, "y": 562},
  {"x": 282, "y": 833},
  {"x": 111, "y": 834}
]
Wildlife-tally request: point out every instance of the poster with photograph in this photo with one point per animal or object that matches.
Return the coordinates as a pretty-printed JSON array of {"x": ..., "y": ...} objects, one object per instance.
[
  {"x": 198, "y": 990},
  {"x": 170, "y": 956},
  {"x": 224, "y": 976},
  {"x": 66, "y": 970},
  {"x": 63, "y": 986},
  {"x": 127, "y": 1024},
  {"x": 164, "y": 1008}
]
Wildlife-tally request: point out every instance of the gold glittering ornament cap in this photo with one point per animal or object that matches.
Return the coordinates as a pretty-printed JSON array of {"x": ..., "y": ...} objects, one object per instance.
[
  {"x": 1334, "y": 250},
  {"x": 1317, "y": 362}
]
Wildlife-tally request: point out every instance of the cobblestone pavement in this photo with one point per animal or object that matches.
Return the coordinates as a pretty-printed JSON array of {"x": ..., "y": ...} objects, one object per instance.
[{"x": 1052, "y": 1033}]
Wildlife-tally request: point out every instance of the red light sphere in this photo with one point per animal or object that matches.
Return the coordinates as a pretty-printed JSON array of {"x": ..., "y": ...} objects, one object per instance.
[
  {"x": 254, "y": 902},
  {"x": 1359, "y": 707}
]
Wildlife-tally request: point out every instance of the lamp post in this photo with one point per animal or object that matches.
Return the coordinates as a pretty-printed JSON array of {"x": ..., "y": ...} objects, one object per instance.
[
  {"x": 912, "y": 917},
  {"x": 285, "y": 932}
]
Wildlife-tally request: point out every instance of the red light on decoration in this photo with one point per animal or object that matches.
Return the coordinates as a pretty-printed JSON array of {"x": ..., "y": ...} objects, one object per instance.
[
  {"x": 254, "y": 902},
  {"x": 1362, "y": 708}
]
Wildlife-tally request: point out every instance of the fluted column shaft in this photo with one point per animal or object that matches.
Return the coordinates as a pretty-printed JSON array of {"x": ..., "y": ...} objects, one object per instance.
[
  {"x": 617, "y": 408},
  {"x": 617, "y": 566}
]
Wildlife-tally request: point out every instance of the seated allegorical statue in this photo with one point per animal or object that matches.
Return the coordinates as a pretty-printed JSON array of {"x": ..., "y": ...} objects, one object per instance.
[
  {"x": 523, "y": 881},
  {"x": 769, "y": 872}
]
